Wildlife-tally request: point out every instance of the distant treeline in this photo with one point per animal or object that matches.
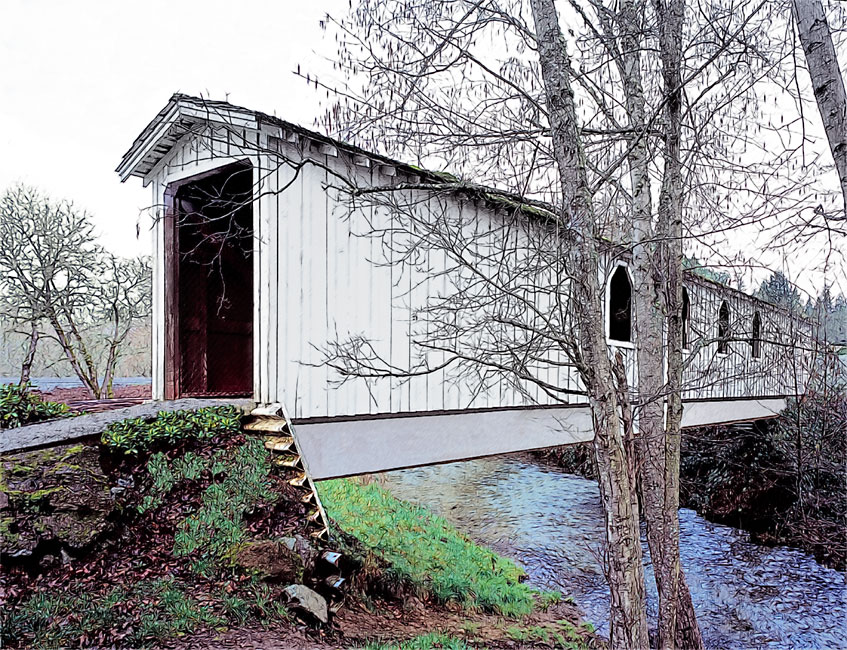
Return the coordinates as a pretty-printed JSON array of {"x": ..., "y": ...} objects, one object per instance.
[{"x": 133, "y": 361}]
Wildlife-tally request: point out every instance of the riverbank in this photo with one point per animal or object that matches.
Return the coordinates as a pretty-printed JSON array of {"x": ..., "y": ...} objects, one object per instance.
[
  {"x": 747, "y": 476},
  {"x": 180, "y": 532}
]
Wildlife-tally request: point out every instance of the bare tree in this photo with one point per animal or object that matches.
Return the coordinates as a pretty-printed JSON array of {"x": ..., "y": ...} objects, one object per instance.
[
  {"x": 591, "y": 136},
  {"x": 827, "y": 82},
  {"x": 63, "y": 287}
]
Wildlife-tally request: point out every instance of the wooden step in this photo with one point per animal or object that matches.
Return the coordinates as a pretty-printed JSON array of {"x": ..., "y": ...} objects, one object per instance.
[
  {"x": 273, "y": 410},
  {"x": 300, "y": 480},
  {"x": 292, "y": 461},
  {"x": 279, "y": 443},
  {"x": 321, "y": 535},
  {"x": 266, "y": 425}
]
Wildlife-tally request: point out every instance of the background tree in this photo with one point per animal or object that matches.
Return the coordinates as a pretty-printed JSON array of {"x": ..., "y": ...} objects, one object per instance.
[
  {"x": 779, "y": 290},
  {"x": 62, "y": 286}
]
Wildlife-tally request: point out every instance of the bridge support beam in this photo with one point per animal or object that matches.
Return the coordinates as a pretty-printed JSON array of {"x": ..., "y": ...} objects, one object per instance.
[{"x": 364, "y": 445}]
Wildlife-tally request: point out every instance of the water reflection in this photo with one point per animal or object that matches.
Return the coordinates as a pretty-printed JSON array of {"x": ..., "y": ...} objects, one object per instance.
[{"x": 746, "y": 596}]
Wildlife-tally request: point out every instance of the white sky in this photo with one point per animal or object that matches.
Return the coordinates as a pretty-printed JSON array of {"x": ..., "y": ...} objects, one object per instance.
[{"x": 79, "y": 80}]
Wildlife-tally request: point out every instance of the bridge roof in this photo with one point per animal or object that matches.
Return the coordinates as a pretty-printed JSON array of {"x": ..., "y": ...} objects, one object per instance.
[{"x": 183, "y": 113}]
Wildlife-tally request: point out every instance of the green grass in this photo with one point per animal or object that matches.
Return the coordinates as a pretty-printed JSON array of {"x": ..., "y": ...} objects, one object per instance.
[
  {"x": 218, "y": 526},
  {"x": 165, "y": 609},
  {"x": 425, "y": 642},
  {"x": 237, "y": 480},
  {"x": 426, "y": 550},
  {"x": 563, "y": 634}
]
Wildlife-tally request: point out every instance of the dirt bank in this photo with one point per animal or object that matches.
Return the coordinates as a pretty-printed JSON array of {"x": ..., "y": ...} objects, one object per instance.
[{"x": 196, "y": 541}]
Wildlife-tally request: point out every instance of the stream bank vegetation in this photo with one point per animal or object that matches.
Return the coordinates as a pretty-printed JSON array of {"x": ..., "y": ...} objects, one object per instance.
[{"x": 178, "y": 529}]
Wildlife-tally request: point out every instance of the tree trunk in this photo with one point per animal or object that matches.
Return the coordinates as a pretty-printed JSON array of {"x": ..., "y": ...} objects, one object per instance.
[
  {"x": 70, "y": 355},
  {"x": 827, "y": 82},
  {"x": 624, "y": 564},
  {"x": 677, "y": 621},
  {"x": 29, "y": 358}
]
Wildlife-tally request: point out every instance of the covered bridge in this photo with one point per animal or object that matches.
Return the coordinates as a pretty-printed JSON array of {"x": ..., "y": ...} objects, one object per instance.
[{"x": 261, "y": 264}]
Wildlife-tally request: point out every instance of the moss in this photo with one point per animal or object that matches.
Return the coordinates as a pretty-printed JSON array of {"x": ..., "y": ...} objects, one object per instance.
[
  {"x": 19, "y": 469},
  {"x": 9, "y": 538},
  {"x": 31, "y": 499},
  {"x": 19, "y": 465}
]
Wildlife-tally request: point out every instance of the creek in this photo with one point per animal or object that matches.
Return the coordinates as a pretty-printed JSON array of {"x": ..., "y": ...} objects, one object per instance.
[{"x": 551, "y": 523}]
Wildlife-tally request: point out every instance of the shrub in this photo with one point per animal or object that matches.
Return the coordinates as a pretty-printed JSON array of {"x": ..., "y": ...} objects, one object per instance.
[
  {"x": 19, "y": 406},
  {"x": 138, "y": 435}
]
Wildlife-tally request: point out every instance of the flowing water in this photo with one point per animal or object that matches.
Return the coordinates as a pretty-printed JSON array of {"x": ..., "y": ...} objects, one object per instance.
[{"x": 551, "y": 523}]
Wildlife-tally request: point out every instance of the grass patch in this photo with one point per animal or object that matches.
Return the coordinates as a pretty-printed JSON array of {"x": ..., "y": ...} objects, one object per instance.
[
  {"x": 563, "y": 634},
  {"x": 194, "y": 501},
  {"x": 162, "y": 607},
  {"x": 218, "y": 525},
  {"x": 426, "y": 550},
  {"x": 424, "y": 642}
]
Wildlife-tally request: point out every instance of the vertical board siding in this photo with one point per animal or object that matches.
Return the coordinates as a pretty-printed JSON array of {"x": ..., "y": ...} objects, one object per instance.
[{"x": 324, "y": 272}]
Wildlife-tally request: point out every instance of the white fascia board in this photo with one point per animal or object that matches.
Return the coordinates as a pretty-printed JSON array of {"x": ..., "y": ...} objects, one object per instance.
[
  {"x": 127, "y": 168},
  {"x": 711, "y": 412}
]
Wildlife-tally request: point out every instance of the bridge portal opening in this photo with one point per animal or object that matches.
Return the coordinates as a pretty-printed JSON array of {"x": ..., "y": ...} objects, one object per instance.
[{"x": 209, "y": 285}]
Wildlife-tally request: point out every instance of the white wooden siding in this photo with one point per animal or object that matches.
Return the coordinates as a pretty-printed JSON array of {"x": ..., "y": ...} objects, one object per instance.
[{"x": 318, "y": 277}]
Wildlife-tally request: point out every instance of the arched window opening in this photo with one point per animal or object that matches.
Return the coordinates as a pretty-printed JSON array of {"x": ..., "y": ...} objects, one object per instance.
[
  {"x": 723, "y": 328},
  {"x": 620, "y": 306},
  {"x": 756, "y": 339},
  {"x": 686, "y": 317}
]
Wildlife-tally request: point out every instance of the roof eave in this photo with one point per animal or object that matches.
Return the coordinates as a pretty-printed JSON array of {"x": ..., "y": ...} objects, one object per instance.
[{"x": 178, "y": 117}]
